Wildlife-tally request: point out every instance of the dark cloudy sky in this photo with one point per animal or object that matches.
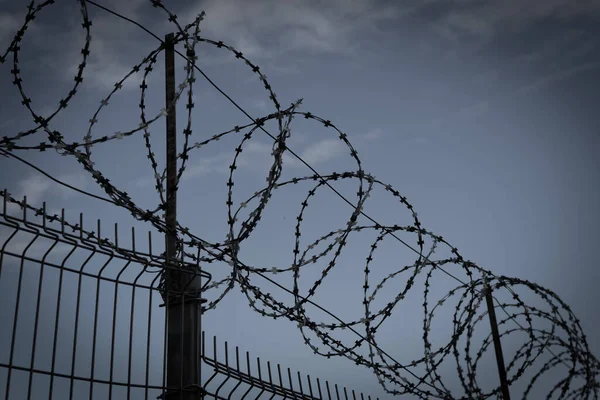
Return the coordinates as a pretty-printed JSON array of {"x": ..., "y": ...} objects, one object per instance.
[{"x": 482, "y": 113}]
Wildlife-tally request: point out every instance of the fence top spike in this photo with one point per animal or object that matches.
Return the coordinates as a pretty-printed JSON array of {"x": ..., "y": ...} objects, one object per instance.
[
  {"x": 133, "y": 238},
  {"x": 289, "y": 373}
]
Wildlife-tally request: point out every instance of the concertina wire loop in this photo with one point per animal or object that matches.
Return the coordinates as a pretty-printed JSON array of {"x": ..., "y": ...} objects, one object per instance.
[{"x": 565, "y": 334}]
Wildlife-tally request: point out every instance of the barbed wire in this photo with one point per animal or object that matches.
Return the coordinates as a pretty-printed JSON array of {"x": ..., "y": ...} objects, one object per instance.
[{"x": 564, "y": 341}]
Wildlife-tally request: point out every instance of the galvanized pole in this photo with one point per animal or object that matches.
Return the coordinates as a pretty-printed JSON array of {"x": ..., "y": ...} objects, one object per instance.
[
  {"x": 497, "y": 345},
  {"x": 183, "y": 286}
]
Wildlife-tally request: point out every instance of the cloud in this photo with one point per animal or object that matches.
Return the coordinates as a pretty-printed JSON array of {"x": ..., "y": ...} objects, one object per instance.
[
  {"x": 557, "y": 76},
  {"x": 482, "y": 20},
  {"x": 457, "y": 22},
  {"x": 111, "y": 57},
  {"x": 261, "y": 105},
  {"x": 4, "y": 123},
  {"x": 486, "y": 77},
  {"x": 261, "y": 30},
  {"x": 30, "y": 245},
  {"x": 420, "y": 140},
  {"x": 309, "y": 26},
  {"x": 553, "y": 47},
  {"x": 34, "y": 187},
  {"x": 116, "y": 45},
  {"x": 322, "y": 151},
  {"x": 582, "y": 49},
  {"x": 374, "y": 134},
  {"x": 38, "y": 187},
  {"x": 284, "y": 69},
  {"x": 536, "y": 84},
  {"x": 257, "y": 155},
  {"x": 534, "y": 9},
  {"x": 254, "y": 155},
  {"x": 104, "y": 72},
  {"x": 9, "y": 24},
  {"x": 195, "y": 168}
]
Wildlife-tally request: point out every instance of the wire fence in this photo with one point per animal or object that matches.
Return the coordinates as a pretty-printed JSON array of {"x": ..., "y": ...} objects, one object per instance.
[
  {"x": 551, "y": 336},
  {"x": 82, "y": 318}
]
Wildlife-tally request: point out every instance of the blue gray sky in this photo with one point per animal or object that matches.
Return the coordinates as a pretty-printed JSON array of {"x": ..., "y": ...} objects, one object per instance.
[{"x": 481, "y": 113}]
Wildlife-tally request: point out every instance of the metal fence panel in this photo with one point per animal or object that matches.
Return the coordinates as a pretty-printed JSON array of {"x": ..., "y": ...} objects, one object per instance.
[{"x": 82, "y": 318}]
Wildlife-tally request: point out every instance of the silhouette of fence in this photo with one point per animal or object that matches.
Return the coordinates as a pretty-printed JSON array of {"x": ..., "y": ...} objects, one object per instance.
[
  {"x": 48, "y": 348},
  {"x": 79, "y": 320}
]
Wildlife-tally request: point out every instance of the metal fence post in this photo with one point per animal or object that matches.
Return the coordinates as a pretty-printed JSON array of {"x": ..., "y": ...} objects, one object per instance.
[
  {"x": 183, "y": 303},
  {"x": 497, "y": 345}
]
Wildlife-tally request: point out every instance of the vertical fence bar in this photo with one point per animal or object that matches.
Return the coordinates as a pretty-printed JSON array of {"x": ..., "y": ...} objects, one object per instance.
[{"x": 497, "y": 345}]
